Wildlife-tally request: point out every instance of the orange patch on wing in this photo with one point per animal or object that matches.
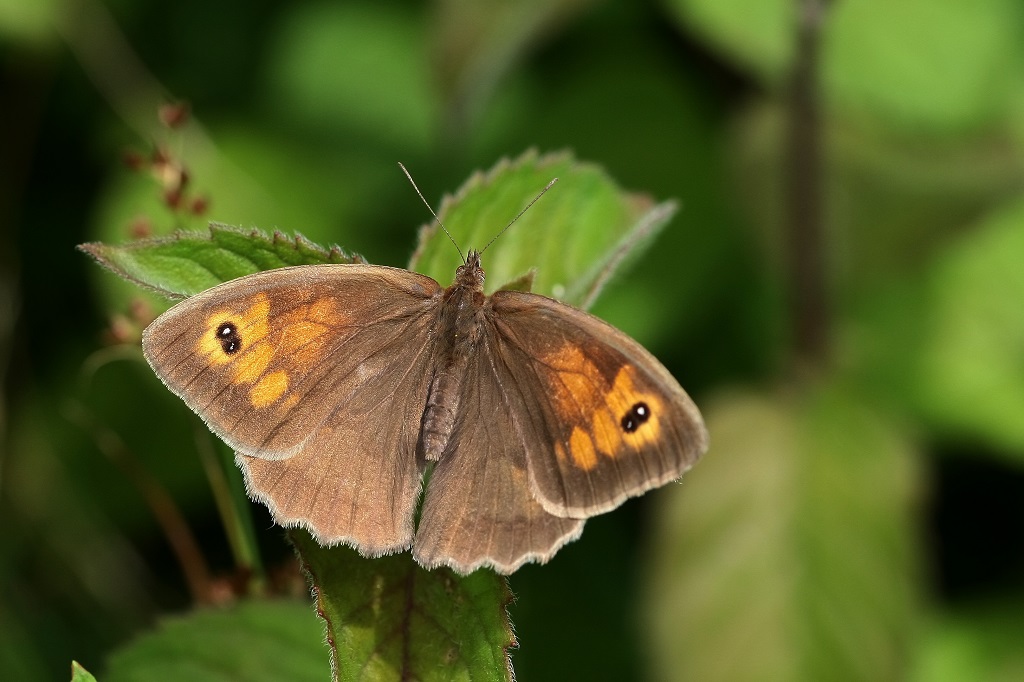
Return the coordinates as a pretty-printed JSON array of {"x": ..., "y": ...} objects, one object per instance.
[
  {"x": 249, "y": 364},
  {"x": 268, "y": 389},
  {"x": 576, "y": 385},
  {"x": 294, "y": 340},
  {"x": 607, "y": 433},
  {"x": 304, "y": 342},
  {"x": 582, "y": 397},
  {"x": 306, "y": 331},
  {"x": 582, "y": 448},
  {"x": 252, "y": 363},
  {"x": 324, "y": 311}
]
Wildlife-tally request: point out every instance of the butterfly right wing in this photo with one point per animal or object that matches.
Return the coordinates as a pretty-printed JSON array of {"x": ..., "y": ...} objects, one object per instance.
[
  {"x": 317, "y": 377},
  {"x": 541, "y": 440},
  {"x": 478, "y": 509}
]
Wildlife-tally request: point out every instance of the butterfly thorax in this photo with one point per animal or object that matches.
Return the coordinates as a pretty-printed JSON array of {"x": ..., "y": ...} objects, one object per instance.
[{"x": 458, "y": 330}]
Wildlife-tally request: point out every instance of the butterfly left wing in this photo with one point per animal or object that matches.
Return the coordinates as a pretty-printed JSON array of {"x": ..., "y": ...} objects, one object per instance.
[{"x": 316, "y": 376}]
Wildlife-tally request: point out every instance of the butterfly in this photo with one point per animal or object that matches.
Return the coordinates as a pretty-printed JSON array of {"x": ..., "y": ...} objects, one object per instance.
[{"x": 339, "y": 386}]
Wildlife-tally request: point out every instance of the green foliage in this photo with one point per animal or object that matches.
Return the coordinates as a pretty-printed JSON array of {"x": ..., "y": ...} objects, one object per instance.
[
  {"x": 388, "y": 619},
  {"x": 803, "y": 520},
  {"x": 80, "y": 674},
  {"x": 568, "y": 244},
  {"x": 952, "y": 76},
  {"x": 954, "y": 73},
  {"x": 758, "y": 36},
  {"x": 187, "y": 263},
  {"x": 976, "y": 642},
  {"x": 376, "y": 44},
  {"x": 252, "y": 640},
  {"x": 972, "y": 378}
]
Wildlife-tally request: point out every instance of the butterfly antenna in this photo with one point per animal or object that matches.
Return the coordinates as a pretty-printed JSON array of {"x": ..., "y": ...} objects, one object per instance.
[
  {"x": 427, "y": 204},
  {"x": 527, "y": 208}
]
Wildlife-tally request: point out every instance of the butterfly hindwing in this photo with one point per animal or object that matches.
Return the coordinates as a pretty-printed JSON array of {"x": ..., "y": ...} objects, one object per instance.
[{"x": 478, "y": 508}]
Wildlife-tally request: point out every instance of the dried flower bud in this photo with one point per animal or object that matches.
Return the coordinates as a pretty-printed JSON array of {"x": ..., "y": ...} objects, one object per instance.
[{"x": 174, "y": 115}]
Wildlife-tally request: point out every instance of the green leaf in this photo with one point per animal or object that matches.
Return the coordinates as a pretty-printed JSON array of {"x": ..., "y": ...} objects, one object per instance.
[
  {"x": 789, "y": 552},
  {"x": 972, "y": 364},
  {"x": 252, "y": 640},
  {"x": 80, "y": 674},
  {"x": 189, "y": 262},
  {"x": 921, "y": 64},
  {"x": 979, "y": 642},
  {"x": 575, "y": 237},
  {"x": 895, "y": 199},
  {"x": 388, "y": 619}
]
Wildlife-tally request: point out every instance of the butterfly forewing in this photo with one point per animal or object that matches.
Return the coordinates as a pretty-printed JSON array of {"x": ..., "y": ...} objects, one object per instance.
[
  {"x": 259, "y": 357},
  {"x": 604, "y": 419}
]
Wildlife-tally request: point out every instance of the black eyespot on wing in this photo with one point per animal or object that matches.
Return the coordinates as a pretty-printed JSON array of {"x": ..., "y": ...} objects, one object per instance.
[
  {"x": 637, "y": 415},
  {"x": 230, "y": 341}
]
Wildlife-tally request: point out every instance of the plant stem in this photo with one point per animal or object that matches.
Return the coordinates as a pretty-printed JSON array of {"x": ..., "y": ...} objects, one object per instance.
[
  {"x": 807, "y": 281},
  {"x": 233, "y": 506},
  {"x": 165, "y": 510}
]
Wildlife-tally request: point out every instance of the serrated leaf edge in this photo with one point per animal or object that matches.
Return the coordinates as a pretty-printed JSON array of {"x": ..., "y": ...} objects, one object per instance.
[
  {"x": 648, "y": 224},
  {"x": 331, "y": 254}
]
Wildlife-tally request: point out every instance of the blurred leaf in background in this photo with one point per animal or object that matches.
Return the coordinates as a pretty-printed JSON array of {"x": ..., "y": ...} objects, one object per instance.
[{"x": 860, "y": 514}]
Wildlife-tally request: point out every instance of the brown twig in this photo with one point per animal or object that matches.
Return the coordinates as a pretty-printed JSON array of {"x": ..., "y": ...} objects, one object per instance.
[
  {"x": 165, "y": 510},
  {"x": 117, "y": 72},
  {"x": 808, "y": 284}
]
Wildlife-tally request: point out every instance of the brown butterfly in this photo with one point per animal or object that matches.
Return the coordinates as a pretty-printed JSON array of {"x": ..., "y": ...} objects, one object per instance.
[{"x": 338, "y": 386}]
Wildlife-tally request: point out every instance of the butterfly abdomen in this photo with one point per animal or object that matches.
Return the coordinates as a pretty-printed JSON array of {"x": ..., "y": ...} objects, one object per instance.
[
  {"x": 439, "y": 415},
  {"x": 459, "y": 323}
]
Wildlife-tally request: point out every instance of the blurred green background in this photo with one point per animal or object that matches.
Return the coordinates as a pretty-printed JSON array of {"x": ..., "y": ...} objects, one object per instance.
[{"x": 861, "y": 512}]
